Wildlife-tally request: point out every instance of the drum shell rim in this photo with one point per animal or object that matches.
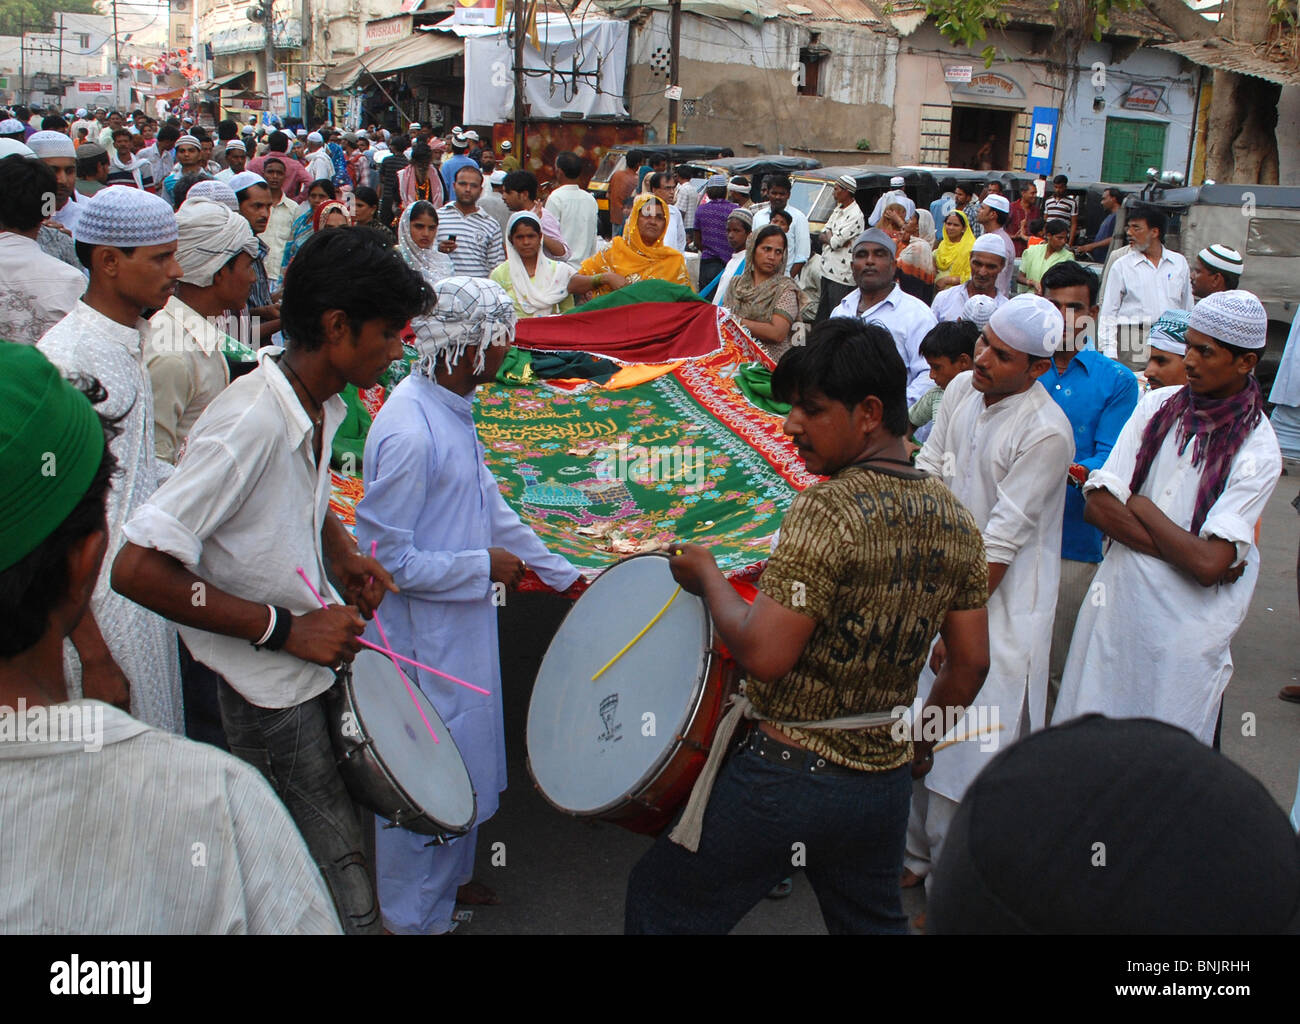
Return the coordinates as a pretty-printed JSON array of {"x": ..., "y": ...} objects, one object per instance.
[
  {"x": 362, "y": 770},
  {"x": 681, "y": 730}
]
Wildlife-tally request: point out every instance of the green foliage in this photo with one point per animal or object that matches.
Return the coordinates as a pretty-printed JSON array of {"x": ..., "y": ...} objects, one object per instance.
[
  {"x": 1280, "y": 13},
  {"x": 966, "y": 22},
  {"x": 38, "y": 15},
  {"x": 863, "y": 144}
]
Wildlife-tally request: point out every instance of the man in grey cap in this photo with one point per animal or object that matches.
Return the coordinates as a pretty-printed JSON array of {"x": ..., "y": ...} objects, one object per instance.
[
  {"x": 878, "y": 298},
  {"x": 92, "y": 168}
]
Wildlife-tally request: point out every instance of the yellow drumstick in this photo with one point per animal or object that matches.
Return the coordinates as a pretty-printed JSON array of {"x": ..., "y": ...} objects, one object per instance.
[
  {"x": 628, "y": 646},
  {"x": 981, "y": 737}
]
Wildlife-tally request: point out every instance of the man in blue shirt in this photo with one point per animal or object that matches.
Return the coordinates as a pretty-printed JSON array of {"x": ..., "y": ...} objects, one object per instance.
[
  {"x": 1097, "y": 395},
  {"x": 1111, "y": 200},
  {"x": 460, "y": 158}
]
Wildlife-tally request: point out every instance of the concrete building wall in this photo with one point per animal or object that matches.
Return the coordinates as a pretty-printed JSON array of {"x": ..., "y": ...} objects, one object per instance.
[
  {"x": 1082, "y": 141},
  {"x": 740, "y": 87},
  {"x": 923, "y": 98}
]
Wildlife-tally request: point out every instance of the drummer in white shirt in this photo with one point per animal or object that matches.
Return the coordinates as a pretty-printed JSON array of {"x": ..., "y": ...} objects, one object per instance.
[
  {"x": 218, "y": 548},
  {"x": 437, "y": 516}
]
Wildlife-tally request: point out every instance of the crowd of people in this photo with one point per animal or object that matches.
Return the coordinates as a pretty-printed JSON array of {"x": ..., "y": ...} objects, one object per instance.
[{"x": 170, "y": 495}]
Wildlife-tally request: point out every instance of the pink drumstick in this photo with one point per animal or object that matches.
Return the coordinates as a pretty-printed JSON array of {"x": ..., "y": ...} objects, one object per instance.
[{"x": 399, "y": 657}]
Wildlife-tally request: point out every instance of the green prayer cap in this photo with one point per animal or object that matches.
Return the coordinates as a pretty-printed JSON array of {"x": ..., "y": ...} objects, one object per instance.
[{"x": 51, "y": 445}]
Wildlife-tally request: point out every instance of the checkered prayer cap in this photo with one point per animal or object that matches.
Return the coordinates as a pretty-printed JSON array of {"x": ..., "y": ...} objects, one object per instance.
[
  {"x": 124, "y": 216},
  {"x": 471, "y": 312},
  {"x": 217, "y": 191},
  {"x": 1169, "y": 333},
  {"x": 1234, "y": 318},
  {"x": 52, "y": 144},
  {"x": 978, "y": 309}
]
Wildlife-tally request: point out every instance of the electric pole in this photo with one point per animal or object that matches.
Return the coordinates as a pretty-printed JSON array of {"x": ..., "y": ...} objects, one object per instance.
[
  {"x": 519, "y": 81},
  {"x": 268, "y": 21},
  {"x": 60, "y": 51},
  {"x": 674, "y": 43},
  {"x": 22, "y": 60},
  {"x": 117, "y": 61}
]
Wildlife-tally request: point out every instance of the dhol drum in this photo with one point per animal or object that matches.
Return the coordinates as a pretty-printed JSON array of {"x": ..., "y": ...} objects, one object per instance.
[
  {"x": 628, "y": 746},
  {"x": 387, "y": 758}
]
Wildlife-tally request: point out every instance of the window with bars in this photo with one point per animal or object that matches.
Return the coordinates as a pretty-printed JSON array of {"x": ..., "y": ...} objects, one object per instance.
[{"x": 936, "y": 133}]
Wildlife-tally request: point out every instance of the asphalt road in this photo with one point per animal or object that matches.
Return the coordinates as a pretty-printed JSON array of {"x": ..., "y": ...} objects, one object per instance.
[{"x": 564, "y": 876}]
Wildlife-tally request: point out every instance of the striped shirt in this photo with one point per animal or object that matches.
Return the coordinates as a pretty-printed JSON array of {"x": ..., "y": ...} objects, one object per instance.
[
  {"x": 1060, "y": 207},
  {"x": 103, "y": 848},
  {"x": 479, "y": 248}
]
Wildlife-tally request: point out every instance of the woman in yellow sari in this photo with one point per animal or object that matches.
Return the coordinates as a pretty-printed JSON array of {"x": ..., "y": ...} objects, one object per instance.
[
  {"x": 952, "y": 255},
  {"x": 640, "y": 254}
]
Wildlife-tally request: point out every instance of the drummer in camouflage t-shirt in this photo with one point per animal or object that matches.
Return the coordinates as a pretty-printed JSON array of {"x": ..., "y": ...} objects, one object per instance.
[{"x": 870, "y": 566}]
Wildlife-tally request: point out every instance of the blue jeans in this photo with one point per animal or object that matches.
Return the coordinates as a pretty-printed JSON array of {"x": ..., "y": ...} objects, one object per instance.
[
  {"x": 852, "y": 829},
  {"x": 291, "y": 747}
]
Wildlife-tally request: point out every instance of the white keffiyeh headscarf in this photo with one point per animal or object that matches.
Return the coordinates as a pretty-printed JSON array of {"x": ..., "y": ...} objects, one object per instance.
[
  {"x": 472, "y": 312},
  {"x": 434, "y": 265},
  {"x": 210, "y": 236},
  {"x": 540, "y": 294}
]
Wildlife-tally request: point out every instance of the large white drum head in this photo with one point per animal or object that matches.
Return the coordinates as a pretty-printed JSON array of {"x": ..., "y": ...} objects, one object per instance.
[
  {"x": 433, "y": 774},
  {"x": 587, "y": 741}
]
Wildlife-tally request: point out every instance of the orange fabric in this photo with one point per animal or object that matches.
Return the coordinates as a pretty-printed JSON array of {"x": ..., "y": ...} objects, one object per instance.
[{"x": 639, "y": 373}]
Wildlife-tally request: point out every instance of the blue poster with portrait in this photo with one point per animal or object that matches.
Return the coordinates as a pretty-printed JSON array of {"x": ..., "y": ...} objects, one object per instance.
[{"x": 1042, "y": 140}]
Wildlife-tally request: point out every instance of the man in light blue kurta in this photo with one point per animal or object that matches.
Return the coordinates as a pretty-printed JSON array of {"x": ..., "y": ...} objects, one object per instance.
[{"x": 447, "y": 536}]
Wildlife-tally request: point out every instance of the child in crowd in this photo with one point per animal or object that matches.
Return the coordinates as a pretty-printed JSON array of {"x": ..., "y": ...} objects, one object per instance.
[{"x": 949, "y": 348}]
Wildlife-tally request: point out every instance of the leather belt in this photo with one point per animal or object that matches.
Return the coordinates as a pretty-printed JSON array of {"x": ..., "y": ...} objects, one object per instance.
[{"x": 771, "y": 749}]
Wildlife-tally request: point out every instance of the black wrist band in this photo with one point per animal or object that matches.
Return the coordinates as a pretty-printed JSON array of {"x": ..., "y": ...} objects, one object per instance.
[{"x": 283, "y": 623}]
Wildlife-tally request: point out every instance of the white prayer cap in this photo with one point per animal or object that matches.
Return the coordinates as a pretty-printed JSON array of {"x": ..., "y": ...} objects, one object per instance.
[
  {"x": 1234, "y": 318},
  {"x": 1169, "y": 332},
  {"x": 11, "y": 126},
  {"x": 507, "y": 146},
  {"x": 81, "y": 111},
  {"x": 315, "y": 137},
  {"x": 978, "y": 309},
  {"x": 216, "y": 191},
  {"x": 1029, "y": 324},
  {"x": 1216, "y": 257},
  {"x": 471, "y": 311},
  {"x": 850, "y": 183},
  {"x": 896, "y": 181},
  {"x": 52, "y": 144},
  {"x": 188, "y": 140},
  {"x": 125, "y": 216},
  {"x": 991, "y": 244},
  {"x": 12, "y": 147},
  {"x": 209, "y": 235},
  {"x": 236, "y": 144},
  {"x": 498, "y": 177},
  {"x": 734, "y": 186},
  {"x": 242, "y": 180},
  {"x": 472, "y": 134},
  {"x": 414, "y": 126},
  {"x": 362, "y": 133},
  {"x": 997, "y": 201}
]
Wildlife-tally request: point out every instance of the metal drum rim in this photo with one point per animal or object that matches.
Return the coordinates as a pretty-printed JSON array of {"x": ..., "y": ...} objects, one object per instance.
[
  {"x": 376, "y": 759},
  {"x": 656, "y": 769}
]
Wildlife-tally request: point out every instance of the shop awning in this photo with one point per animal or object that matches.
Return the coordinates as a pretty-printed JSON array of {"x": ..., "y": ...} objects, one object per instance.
[
  {"x": 411, "y": 52},
  {"x": 236, "y": 81}
]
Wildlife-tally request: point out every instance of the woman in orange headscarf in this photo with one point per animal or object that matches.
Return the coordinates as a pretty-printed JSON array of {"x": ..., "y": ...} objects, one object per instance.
[{"x": 640, "y": 254}]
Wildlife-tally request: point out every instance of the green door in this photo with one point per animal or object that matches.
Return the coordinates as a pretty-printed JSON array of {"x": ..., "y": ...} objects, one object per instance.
[{"x": 1132, "y": 147}]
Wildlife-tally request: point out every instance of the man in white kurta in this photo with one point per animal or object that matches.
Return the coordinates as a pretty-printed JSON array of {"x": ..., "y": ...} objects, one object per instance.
[
  {"x": 1003, "y": 447},
  {"x": 88, "y": 341},
  {"x": 448, "y": 537},
  {"x": 1111, "y": 669}
]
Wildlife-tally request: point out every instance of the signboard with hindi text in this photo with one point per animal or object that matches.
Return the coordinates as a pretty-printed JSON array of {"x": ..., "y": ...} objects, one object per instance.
[{"x": 277, "y": 85}]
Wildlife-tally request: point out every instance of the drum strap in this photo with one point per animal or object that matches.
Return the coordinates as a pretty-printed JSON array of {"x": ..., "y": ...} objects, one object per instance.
[{"x": 688, "y": 829}]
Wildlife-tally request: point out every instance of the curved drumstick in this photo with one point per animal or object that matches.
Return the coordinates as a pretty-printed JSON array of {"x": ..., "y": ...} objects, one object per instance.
[
  {"x": 628, "y": 646},
  {"x": 399, "y": 657},
  {"x": 391, "y": 657}
]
